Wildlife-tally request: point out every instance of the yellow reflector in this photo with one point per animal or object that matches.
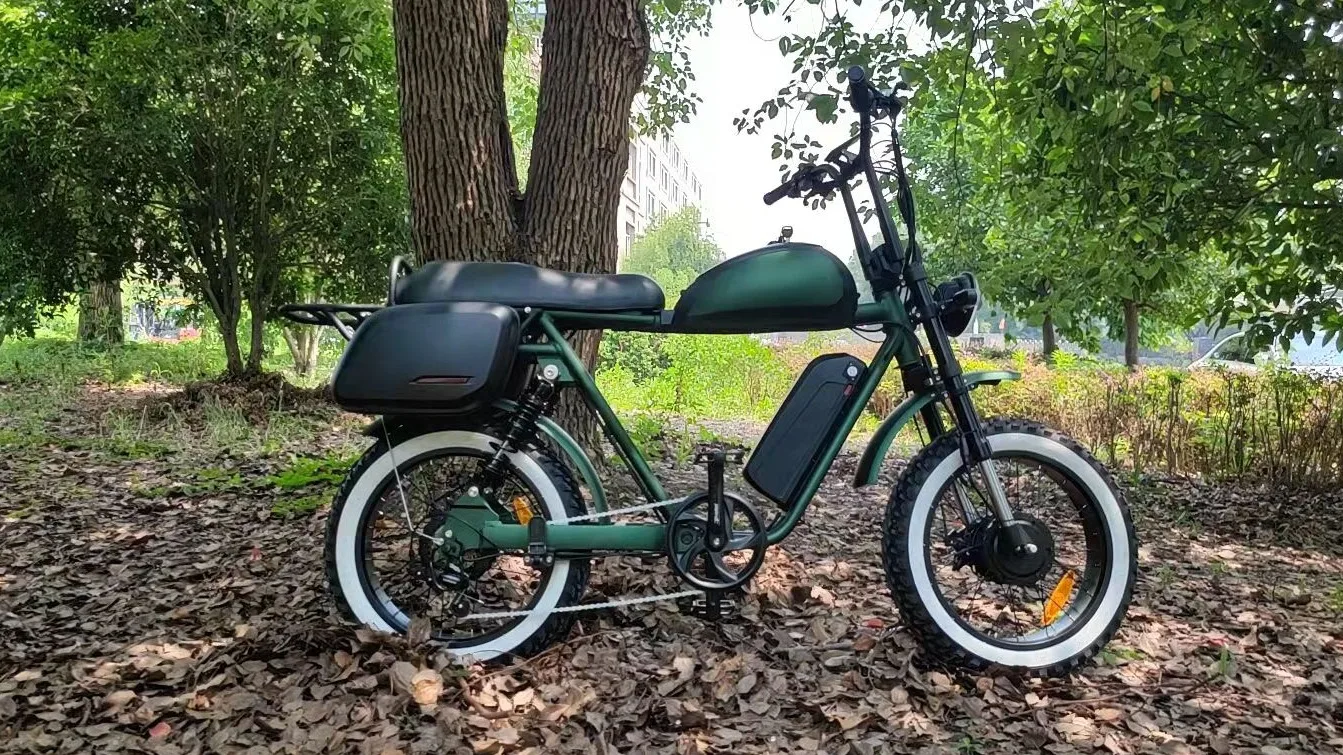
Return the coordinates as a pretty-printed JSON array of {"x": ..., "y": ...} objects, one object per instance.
[
  {"x": 1058, "y": 598},
  {"x": 522, "y": 510}
]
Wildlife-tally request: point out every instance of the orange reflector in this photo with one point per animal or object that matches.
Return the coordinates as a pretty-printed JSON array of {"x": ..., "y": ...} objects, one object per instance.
[
  {"x": 1058, "y": 599},
  {"x": 522, "y": 510}
]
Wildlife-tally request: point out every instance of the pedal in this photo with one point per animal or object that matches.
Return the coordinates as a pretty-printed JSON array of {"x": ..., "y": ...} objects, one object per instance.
[
  {"x": 715, "y": 605},
  {"x": 711, "y": 453}
]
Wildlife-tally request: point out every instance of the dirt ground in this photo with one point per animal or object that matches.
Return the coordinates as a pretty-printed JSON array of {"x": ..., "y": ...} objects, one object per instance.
[{"x": 154, "y": 598}]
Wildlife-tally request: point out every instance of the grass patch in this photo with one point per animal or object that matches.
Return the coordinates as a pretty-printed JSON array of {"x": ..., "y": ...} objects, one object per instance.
[
  {"x": 1335, "y": 599},
  {"x": 304, "y": 471},
  {"x": 21, "y": 439},
  {"x": 203, "y": 482},
  {"x": 308, "y": 483},
  {"x": 298, "y": 506}
]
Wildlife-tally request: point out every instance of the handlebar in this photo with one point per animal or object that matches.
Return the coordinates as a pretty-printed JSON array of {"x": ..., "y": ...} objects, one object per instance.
[
  {"x": 779, "y": 192},
  {"x": 867, "y": 101}
]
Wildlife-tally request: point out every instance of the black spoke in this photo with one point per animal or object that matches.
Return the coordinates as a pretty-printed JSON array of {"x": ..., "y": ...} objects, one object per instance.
[{"x": 994, "y": 601}]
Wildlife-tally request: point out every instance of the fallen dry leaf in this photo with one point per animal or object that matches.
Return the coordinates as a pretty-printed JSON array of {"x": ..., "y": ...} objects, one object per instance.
[
  {"x": 426, "y": 686},
  {"x": 1221, "y": 653}
]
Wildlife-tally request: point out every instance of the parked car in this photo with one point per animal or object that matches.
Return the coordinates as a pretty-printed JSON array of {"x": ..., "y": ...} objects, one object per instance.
[{"x": 1235, "y": 353}]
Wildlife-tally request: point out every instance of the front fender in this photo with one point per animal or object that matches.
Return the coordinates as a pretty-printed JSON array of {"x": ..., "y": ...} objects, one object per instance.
[{"x": 870, "y": 465}]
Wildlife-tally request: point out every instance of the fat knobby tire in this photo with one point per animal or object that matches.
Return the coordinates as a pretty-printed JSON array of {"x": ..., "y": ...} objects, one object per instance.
[
  {"x": 938, "y": 647},
  {"x": 557, "y": 627}
]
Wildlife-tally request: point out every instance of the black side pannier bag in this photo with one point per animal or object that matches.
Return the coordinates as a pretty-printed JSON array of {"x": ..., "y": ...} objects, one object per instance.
[
  {"x": 435, "y": 358},
  {"x": 805, "y": 421}
]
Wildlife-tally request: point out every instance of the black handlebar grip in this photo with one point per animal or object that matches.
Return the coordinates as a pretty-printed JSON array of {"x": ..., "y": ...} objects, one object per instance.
[{"x": 779, "y": 192}]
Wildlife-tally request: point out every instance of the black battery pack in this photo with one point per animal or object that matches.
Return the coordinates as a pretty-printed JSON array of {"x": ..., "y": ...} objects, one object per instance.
[{"x": 803, "y": 424}]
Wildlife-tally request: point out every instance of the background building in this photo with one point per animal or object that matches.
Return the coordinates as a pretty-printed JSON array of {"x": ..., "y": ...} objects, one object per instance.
[{"x": 658, "y": 180}]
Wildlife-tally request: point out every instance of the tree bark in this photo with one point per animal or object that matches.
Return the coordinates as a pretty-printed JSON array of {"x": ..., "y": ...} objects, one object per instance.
[
  {"x": 1050, "y": 340},
  {"x": 454, "y": 123},
  {"x": 465, "y": 203},
  {"x": 1131, "y": 334},
  {"x": 100, "y": 313},
  {"x": 304, "y": 346},
  {"x": 232, "y": 354},
  {"x": 593, "y": 57},
  {"x": 256, "y": 350}
]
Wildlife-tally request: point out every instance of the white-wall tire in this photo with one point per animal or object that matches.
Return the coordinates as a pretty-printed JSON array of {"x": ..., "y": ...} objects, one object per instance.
[
  {"x": 908, "y": 573},
  {"x": 563, "y": 583}
]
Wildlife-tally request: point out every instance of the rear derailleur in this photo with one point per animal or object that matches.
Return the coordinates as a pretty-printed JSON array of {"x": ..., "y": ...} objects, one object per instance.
[{"x": 715, "y": 540}]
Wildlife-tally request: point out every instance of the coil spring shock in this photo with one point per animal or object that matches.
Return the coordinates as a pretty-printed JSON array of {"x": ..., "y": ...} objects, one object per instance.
[{"x": 535, "y": 402}]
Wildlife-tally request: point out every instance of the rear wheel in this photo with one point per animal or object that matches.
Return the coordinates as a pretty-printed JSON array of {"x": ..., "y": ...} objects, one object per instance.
[
  {"x": 399, "y": 545},
  {"x": 972, "y": 599}
]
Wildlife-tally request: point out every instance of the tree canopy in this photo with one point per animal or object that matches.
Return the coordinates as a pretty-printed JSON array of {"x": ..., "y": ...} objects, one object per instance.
[
  {"x": 674, "y": 250},
  {"x": 243, "y": 149},
  {"x": 1101, "y": 163}
]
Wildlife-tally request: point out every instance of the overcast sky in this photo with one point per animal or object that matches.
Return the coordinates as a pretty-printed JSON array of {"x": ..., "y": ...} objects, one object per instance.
[{"x": 738, "y": 67}]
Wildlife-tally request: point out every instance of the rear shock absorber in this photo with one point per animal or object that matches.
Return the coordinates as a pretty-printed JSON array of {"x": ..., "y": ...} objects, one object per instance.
[{"x": 535, "y": 402}]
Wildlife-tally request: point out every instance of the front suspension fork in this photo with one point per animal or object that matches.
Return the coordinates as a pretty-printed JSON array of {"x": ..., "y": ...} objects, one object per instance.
[{"x": 975, "y": 451}]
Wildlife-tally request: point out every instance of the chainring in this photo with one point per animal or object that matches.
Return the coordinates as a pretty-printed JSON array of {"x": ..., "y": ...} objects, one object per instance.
[{"x": 700, "y": 562}]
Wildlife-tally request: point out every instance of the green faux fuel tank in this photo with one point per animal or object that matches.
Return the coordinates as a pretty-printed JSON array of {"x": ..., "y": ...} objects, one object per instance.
[{"x": 784, "y": 286}]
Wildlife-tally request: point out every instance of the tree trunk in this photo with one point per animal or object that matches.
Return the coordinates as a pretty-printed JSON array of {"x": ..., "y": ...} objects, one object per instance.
[
  {"x": 593, "y": 57},
  {"x": 304, "y": 346},
  {"x": 454, "y": 123},
  {"x": 1050, "y": 341},
  {"x": 227, "y": 309},
  {"x": 232, "y": 353},
  {"x": 1131, "y": 334},
  {"x": 100, "y": 313},
  {"x": 465, "y": 203},
  {"x": 256, "y": 350}
]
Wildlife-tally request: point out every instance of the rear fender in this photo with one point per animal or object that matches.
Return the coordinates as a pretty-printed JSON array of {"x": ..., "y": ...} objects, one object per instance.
[
  {"x": 561, "y": 438},
  {"x": 869, "y": 466}
]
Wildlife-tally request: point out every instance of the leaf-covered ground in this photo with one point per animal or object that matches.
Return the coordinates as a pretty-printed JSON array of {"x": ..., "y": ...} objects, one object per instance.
[{"x": 161, "y": 590}]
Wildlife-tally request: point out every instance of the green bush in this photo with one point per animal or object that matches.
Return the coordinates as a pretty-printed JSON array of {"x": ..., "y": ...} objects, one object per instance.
[
  {"x": 1275, "y": 427},
  {"x": 701, "y": 377},
  {"x": 54, "y": 360},
  {"x": 54, "y": 357}
]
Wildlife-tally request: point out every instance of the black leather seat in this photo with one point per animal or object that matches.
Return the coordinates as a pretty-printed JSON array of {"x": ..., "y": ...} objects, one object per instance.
[{"x": 518, "y": 285}]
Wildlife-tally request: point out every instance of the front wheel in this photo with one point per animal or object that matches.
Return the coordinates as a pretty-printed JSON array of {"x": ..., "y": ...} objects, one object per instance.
[{"x": 971, "y": 599}]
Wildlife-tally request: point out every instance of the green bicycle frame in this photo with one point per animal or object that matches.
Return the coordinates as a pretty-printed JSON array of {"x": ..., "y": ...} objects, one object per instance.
[{"x": 899, "y": 346}]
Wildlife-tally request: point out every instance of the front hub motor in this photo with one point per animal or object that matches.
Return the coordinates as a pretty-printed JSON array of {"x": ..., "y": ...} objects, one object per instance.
[{"x": 1007, "y": 564}]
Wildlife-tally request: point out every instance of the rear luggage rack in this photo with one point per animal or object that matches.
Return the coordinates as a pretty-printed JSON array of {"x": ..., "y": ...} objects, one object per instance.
[{"x": 345, "y": 318}]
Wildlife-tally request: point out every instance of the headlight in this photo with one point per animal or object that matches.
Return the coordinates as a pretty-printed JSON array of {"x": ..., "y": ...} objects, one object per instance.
[{"x": 957, "y": 300}]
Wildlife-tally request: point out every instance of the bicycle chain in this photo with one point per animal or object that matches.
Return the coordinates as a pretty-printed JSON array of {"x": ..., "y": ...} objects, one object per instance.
[
  {"x": 609, "y": 603},
  {"x": 585, "y": 606},
  {"x": 618, "y": 512}
]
